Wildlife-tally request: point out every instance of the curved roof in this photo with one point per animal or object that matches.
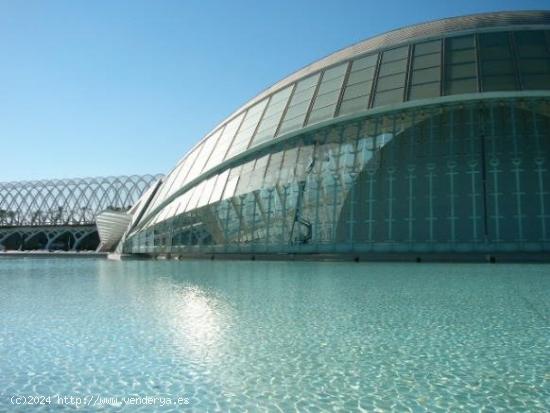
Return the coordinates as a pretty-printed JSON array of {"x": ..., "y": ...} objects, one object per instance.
[
  {"x": 415, "y": 32},
  {"x": 419, "y": 62},
  {"x": 435, "y": 28}
]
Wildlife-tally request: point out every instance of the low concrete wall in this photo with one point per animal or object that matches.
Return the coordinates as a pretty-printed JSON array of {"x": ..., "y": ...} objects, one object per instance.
[{"x": 500, "y": 257}]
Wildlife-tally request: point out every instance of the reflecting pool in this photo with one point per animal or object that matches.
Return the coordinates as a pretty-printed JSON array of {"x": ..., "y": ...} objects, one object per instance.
[{"x": 273, "y": 336}]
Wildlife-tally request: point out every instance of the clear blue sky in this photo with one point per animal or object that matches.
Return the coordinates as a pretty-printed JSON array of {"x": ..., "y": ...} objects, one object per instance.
[{"x": 93, "y": 88}]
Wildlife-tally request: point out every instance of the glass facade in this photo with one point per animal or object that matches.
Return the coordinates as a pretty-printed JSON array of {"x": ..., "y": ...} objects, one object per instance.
[
  {"x": 468, "y": 177},
  {"x": 376, "y": 175}
]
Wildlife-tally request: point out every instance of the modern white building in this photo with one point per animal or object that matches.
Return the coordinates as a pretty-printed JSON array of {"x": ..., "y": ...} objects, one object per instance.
[{"x": 429, "y": 139}]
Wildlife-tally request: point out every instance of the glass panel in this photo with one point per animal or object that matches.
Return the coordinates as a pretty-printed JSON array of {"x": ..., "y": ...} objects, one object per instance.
[
  {"x": 494, "y": 46},
  {"x": 247, "y": 128},
  {"x": 461, "y": 71},
  {"x": 197, "y": 166},
  {"x": 461, "y": 56},
  {"x": 394, "y": 62},
  {"x": 534, "y": 66},
  {"x": 364, "y": 62},
  {"x": 326, "y": 99},
  {"x": 464, "y": 42},
  {"x": 395, "y": 54},
  {"x": 426, "y": 75},
  {"x": 257, "y": 176},
  {"x": 495, "y": 53},
  {"x": 273, "y": 168},
  {"x": 427, "y": 48},
  {"x": 289, "y": 163},
  {"x": 307, "y": 83},
  {"x": 335, "y": 72},
  {"x": 391, "y": 82},
  {"x": 167, "y": 190},
  {"x": 301, "y": 96},
  {"x": 460, "y": 65},
  {"x": 165, "y": 186},
  {"x": 158, "y": 217},
  {"x": 531, "y": 44},
  {"x": 330, "y": 85},
  {"x": 244, "y": 178},
  {"x": 430, "y": 60},
  {"x": 269, "y": 122},
  {"x": 177, "y": 178},
  {"x": 322, "y": 114},
  {"x": 305, "y": 162},
  {"x": 196, "y": 196},
  {"x": 296, "y": 110},
  {"x": 361, "y": 76},
  {"x": 353, "y": 105},
  {"x": 209, "y": 145},
  {"x": 391, "y": 96},
  {"x": 392, "y": 68},
  {"x": 324, "y": 104},
  {"x": 217, "y": 155},
  {"x": 426, "y": 70},
  {"x": 536, "y": 82},
  {"x": 173, "y": 209},
  {"x": 461, "y": 86},
  {"x": 232, "y": 181},
  {"x": 207, "y": 191},
  {"x": 181, "y": 202},
  {"x": 182, "y": 173},
  {"x": 533, "y": 49},
  {"x": 497, "y": 67},
  {"x": 219, "y": 187},
  {"x": 230, "y": 187},
  {"x": 275, "y": 106},
  {"x": 299, "y": 104},
  {"x": 358, "y": 88},
  {"x": 499, "y": 83},
  {"x": 426, "y": 90},
  {"x": 294, "y": 123}
]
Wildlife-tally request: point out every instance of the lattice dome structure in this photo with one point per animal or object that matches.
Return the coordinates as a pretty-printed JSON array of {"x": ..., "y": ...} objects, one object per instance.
[
  {"x": 50, "y": 209},
  {"x": 68, "y": 201}
]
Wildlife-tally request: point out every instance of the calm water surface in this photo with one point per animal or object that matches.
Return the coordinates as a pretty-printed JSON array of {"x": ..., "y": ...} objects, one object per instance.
[{"x": 261, "y": 336}]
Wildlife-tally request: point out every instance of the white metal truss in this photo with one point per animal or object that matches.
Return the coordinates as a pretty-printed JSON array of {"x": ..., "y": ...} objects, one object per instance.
[
  {"x": 47, "y": 213},
  {"x": 68, "y": 201}
]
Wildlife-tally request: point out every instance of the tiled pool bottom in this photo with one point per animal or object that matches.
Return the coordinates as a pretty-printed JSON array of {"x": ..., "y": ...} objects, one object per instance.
[{"x": 259, "y": 336}]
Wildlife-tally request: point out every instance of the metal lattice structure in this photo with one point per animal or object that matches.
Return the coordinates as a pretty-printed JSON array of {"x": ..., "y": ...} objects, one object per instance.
[
  {"x": 61, "y": 214},
  {"x": 68, "y": 201}
]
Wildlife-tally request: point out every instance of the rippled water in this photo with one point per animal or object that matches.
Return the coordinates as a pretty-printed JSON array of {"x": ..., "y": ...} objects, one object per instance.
[{"x": 276, "y": 336}]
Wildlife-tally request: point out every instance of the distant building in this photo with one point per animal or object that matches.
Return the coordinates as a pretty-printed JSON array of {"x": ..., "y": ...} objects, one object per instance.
[
  {"x": 433, "y": 138},
  {"x": 61, "y": 213}
]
